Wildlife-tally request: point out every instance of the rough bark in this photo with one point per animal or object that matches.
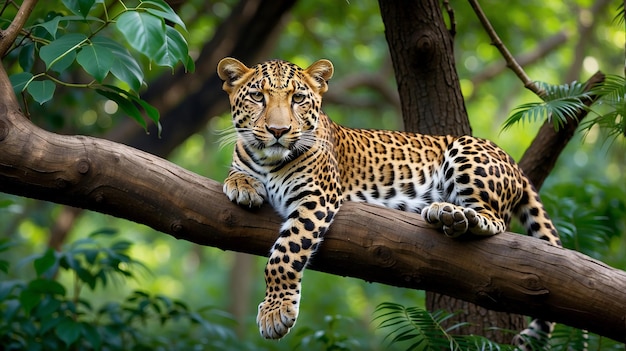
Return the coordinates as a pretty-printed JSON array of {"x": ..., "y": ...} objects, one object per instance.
[
  {"x": 422, "y": 52},
  {"x": 506, "y": 272}
]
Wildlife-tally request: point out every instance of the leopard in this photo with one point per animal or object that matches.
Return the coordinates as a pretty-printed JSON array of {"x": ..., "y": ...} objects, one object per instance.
[{"x": 290, "y": 154}]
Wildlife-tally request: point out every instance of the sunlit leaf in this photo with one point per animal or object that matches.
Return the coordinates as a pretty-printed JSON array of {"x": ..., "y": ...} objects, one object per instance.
[
  {"x": 143, "y": 31},
  {"x": 173, "y": 50},
  {"x": 163, "y": 10}
]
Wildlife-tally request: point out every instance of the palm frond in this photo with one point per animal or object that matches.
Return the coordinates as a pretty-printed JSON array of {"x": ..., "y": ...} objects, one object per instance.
[
  {"x": 565, "y": 338},
  {"x": 560, "y": 103},
  {"x": 612, "y": 99},
  {"x": 421, "y": 330},
  {"x": 620, "y": 17}
]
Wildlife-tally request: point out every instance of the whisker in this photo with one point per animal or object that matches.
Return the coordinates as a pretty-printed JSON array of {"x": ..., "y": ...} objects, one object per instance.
[{"x": 227, "y": 136}]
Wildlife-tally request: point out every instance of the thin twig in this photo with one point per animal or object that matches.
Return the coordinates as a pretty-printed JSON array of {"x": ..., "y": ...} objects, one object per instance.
[
  {"x": 450, "y": 11},
  {"x": 510, "y": 60},
  {"x": 7, "y": 36},
  {"x": 540, "y": 51}
]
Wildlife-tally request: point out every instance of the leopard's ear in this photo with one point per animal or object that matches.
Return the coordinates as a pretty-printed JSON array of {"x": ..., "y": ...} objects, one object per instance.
[
  {"x": 321, "y": 71},
  {"x": 230, "y": 70}
]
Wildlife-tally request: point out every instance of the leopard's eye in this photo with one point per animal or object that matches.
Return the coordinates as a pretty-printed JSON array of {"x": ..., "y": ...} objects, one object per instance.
[
  {"x": 297, "y": 98},
  {"x": 257, "y": 96}
]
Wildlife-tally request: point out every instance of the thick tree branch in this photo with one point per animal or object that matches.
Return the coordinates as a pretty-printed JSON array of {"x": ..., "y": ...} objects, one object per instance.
[
  {"x": 506, "y": 272},
  {"x": 7, "y": 36}
]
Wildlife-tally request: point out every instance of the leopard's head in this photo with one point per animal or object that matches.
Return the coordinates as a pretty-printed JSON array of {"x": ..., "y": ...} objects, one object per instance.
[{"x": 275, "y": 105}]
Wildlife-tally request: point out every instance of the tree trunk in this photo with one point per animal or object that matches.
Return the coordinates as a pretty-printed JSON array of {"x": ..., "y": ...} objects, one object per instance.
[
  {"x": 421, "y": 49},
  {"x": 505, "y": 272}
]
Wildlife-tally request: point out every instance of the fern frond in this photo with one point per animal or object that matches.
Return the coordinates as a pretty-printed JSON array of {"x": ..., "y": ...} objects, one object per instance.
[
  {"x": 560, "y": 103},
  {"x": 565, "y": 338},
  {"x": 611, "y": 96},
  {"x": 423, "y": 331},
  {"x": 620, "y": 17}
]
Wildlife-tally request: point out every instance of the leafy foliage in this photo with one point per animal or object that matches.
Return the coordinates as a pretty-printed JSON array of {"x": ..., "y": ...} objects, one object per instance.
[
  {"x": 420, "y": 330},
  {"x": 328, "y": 338},
  {"x": 43, "y": 314},
  {"x": 612, "y": 98},
  {"x": 416, "y": 329},
  {"x": 560, "y": 102},
  {"x": 60, "y": 41}
]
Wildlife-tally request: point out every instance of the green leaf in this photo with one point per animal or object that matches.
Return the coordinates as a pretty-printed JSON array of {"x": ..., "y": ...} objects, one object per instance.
[
  {"x": 20, "y": 81},
  {"x": 45, "y": 262},
  {"x": 41, "y": 90},
  {"x": 26, "y": 57},
  {"x": 68, "y": 331},
  {"x": 125, "y": 104},
  {"x": 96, "y": 60},
  {"x": 107, "y": 232},
  {"x": 28, "y": 300},
  {"x": 79, "y": 7},
  {"x": 47, "y": 306},
  {"x": 46, "y": 286},
  {"x": 152, "y": 113},
  {"x": 60, "y": 53},
  {"x": 174, "y": 50},
  {"x": 86, "y": 277},
  {"x": 143, "y": 31},
  {"x": 163, "y": 10},
  {"x": 7, "y": 288},
  {"x": 125, "y": 66},
  {"x": 4, "y": 266},
  {"x": 91, "y": 335},
  {"x": 52, "y": 25},
  {"x": 133, "y": 100}
]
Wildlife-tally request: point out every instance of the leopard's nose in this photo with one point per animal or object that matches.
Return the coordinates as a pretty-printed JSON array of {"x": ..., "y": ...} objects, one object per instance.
[{"x": 277, "y": 132}]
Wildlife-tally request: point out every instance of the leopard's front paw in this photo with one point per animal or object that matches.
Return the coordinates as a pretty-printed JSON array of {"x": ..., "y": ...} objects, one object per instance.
[
  {"x": 244, "y": 190},
  {"x": 276, "y": 317},
  {"x": 454, "y": 220}
]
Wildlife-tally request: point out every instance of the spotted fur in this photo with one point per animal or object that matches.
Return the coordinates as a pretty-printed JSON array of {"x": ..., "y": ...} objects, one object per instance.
[{"x": 290, "y": 154}]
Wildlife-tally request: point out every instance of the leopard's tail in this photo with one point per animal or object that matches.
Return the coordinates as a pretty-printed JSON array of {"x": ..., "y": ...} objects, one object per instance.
[{"x": 535, "y": 219}]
